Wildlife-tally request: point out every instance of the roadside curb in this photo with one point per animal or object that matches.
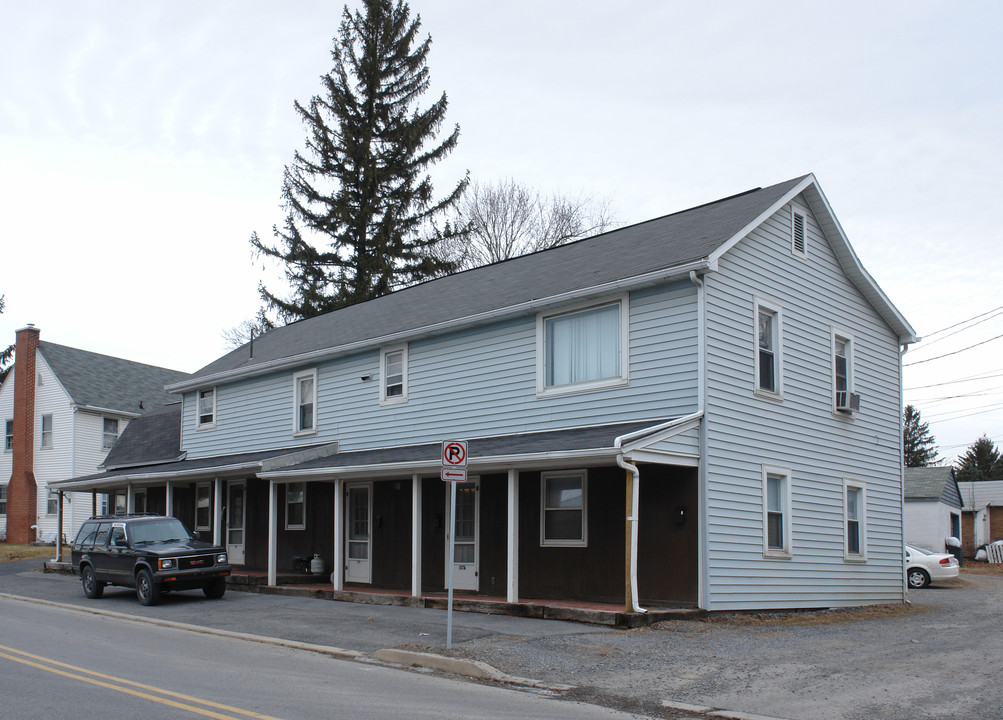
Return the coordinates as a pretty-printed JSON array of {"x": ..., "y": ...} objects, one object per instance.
[
  {"x": 455, "y": 666},
  {"x": 713, "y": 713},
  {"x": 459, "y": 666}
]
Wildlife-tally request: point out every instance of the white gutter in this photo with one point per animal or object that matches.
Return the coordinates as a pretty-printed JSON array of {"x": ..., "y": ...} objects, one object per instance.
[
  {"x": 107, "y": 411},
  {"x": 327, "y": 353}
]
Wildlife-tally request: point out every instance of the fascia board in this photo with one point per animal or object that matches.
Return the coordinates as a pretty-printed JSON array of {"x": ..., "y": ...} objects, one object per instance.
[{"x": 626, "y": 284}]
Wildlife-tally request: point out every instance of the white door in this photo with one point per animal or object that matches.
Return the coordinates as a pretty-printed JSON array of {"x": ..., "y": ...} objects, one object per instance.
[
  {"x": 235, "y": 517},
  {"x": 465, "y": 552},
  {"x": 358, "y": 537}
]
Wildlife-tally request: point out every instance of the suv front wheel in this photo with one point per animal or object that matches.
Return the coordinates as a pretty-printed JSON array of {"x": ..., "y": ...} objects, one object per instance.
[
  {"x": 147, "y": 591},
  {"x": 93, "y": 588}
]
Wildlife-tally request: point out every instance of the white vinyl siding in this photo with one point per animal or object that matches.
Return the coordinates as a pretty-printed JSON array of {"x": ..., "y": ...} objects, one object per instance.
[
  {"x": 467, "y": 384},
  {"x": 802, "y": 433}
]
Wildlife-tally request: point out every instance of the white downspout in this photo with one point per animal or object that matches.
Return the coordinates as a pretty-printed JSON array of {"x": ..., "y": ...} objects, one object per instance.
[
  {"x": 902, "y": 351},
  {"x": 632, "y": 518}
]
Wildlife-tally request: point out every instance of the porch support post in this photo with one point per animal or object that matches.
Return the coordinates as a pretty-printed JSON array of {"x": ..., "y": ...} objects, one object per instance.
[
  {"x": 273, "y": 522},
  {"x": 217, "y": 511},
  {"x": 94, "y": 503},
  {"x": 130, "y": 501},
  {"x": 512, "y": 552},
  {"x": 338, "y": 561},
  {"x": 416, "y": 535},
  {"x": 168, "y": 498},
  {"x": 59, "y": 530}
]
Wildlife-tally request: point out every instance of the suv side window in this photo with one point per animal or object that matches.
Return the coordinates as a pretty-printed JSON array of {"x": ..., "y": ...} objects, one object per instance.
[
  {"x": 85, "y": 538},
  {"x": 118, "y": 536},
  {"x": 101, "y": 539}
]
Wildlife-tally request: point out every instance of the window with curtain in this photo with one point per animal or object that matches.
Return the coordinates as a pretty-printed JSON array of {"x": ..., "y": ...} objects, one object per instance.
[{"x": 582, "y": 347}]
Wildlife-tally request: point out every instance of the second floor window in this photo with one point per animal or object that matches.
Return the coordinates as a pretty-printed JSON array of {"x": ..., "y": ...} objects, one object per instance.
[
  {"x": 206, "y": 410},
  {"x": 305, "y": 389},
  {"x": 769, "y": 358},
  {"x": 46, "y": 441},
  {"x": 584, "y": 348},
  {"x": 842, "y": 371},
  {"x": 8, "y": 436},
  {"x": 393, "y": 369},
  {"x": 110, "y": 433}
]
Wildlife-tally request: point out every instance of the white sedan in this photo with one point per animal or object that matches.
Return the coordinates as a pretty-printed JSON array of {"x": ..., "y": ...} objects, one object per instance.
[{"x": 922, "y": 566}]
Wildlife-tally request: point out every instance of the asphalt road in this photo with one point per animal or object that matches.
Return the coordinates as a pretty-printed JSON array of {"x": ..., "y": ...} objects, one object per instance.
[
  {"x": 65, "y": 663},
  {"x": 937, "y": 658}
]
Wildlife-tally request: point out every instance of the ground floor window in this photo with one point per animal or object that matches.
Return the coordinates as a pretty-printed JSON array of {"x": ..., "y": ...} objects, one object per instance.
[
  {"x": 296, "y": 506},
  {"x": 3, "y": 499},
  {"x": 854, "y": 510},
  {"x": 563, "y": 509},
  {"x": 52, "y": 503},
  {"x": 776, "y": 511}
]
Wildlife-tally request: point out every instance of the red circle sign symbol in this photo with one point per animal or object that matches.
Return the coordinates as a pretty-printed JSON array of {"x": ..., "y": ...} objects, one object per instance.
[{"x": 454, "y": 453}]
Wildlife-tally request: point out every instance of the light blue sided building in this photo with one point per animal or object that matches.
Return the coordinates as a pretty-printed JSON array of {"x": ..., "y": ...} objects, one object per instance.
[{"x": 702, "y": 410}]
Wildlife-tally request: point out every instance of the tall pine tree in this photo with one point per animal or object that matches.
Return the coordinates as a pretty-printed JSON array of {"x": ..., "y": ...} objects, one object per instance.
[
  {"x": 918, "y": 445},
  {"x": 981, "y": 461},
  {"x": 361, "y": 186}
]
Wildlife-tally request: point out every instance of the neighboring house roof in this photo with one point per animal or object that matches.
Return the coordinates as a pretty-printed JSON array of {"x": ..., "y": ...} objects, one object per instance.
[
  {"x": 650, "y": 252},
  {"x": 102, "y": 382},
  {"x": 149, "y": 439},
  {"x": 978, "y": 494},
  {"x": 932, "y": 483}
]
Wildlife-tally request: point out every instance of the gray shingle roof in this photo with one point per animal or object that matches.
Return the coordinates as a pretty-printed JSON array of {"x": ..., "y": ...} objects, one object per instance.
[
  {"x": 151, "y": 438},
  {"x": 932, "y": 483},
  {"x": 102, "y": 381},
  {"x": 660, "y": 244}
]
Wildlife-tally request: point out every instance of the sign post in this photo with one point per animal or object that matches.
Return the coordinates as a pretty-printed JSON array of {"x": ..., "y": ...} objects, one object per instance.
[{"x": 454, "y": 470}]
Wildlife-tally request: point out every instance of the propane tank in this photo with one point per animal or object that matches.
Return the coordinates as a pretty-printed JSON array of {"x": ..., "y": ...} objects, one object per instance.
[{"x": 317, "y": 565}]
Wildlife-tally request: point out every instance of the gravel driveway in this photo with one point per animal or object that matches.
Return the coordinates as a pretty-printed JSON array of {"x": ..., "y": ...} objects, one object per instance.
[{"x": 938, "y": 657}]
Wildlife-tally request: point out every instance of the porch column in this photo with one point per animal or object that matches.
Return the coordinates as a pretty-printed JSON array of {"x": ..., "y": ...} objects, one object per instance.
[
  {"x": 217, "y": 511},
  {"x": 59, "y": 530},
  {"x": 512, "y": 580},
  {"x": 94, "y": 503},
  {"x": 273, "y": 522},
  {"x": 338, "y": 575},
  {"x": 130, "y": 500},
  {"x": 416, "y": 535},
  {"x": 168, "y": 498}
]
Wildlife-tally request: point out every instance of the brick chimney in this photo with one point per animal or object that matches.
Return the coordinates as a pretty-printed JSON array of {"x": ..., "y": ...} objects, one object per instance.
[{"x": 22, "y": 502}]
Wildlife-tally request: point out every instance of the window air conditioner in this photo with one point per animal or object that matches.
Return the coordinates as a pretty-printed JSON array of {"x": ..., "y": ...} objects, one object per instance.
[{"x": 847, "y": 402}]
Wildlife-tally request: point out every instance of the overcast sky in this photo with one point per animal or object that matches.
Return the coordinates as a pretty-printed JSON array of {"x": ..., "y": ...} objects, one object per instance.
[{"x": 142, "y": 143}]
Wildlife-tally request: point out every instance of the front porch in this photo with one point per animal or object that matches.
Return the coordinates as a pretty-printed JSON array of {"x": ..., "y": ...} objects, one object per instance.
[{"x": 595, "y": 613}]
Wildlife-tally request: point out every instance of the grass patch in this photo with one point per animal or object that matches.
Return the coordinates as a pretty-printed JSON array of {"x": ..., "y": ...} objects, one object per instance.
[{"x": 25, "y": 552}]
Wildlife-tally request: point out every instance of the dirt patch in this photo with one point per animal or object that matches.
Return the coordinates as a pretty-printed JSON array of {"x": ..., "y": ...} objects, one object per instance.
[
  {"x": 807, "y": 617},
  {"x": 979, "y": 568},
  {"x": 9, "y": 553}
]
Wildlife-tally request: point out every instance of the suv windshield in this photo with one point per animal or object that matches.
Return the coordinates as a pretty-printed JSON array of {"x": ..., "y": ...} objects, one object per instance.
[{"x": 168, "y": 529}]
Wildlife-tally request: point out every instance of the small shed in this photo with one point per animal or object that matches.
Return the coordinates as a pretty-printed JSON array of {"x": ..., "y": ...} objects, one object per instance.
[
  {"x": 982, "y": 513},
  {"x": 932, "y": 507}
]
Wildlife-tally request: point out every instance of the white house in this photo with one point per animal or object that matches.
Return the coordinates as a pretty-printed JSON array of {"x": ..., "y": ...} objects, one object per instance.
[
  {"x": 982, "y": 513},
  {"x": 75, "y": 407},
  {"x": 700, "y": 410}
]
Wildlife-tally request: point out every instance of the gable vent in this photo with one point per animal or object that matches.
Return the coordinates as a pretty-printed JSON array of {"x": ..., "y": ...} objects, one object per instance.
[{"x": 797, "y": 229}]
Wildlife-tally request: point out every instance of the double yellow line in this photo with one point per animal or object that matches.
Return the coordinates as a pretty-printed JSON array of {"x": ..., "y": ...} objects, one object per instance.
[{"x": 147, "y": 692}]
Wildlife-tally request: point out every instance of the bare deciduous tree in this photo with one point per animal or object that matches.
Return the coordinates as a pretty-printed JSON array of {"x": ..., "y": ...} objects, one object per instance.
[{"x": 508, "y": 219}]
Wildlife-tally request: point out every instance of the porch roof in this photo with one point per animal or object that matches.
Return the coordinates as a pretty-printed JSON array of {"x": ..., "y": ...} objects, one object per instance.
[{"x": 536, "y": 449}]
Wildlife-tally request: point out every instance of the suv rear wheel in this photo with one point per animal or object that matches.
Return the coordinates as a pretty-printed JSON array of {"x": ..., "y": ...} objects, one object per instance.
[
  {"x": 93, "y": 588},
  {"x": 147, "y": 591}
]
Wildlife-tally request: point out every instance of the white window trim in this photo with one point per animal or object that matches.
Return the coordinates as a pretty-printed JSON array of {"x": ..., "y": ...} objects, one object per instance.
[
  {"x": 118, "y": 432},
  {"x": 3, "y": 499},
  {"x": 834, "y": 334},
  {"x": 770, "y": 306},
  {"x": 302, "y": 525},
  {"x": 395, "y": 399},
  {"x": 541, "y": 349},
  {"x": 584, "y": 542},
  {"x": 861, "y": 521},
  {"x": 52, "y": 498},
  {"x": 6, "y": 436},
  {"x": 786, "y": 551},
  {"x": 795, "y": 210},
  {"x": 41, "y": 432},
  {"x": 199, "y": 425},
  {"x": 312, "y": 374}
]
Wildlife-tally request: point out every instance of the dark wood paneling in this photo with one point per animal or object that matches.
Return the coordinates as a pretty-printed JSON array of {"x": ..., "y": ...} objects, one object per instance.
[
  {"x": 391, "y": 533},
  {"x": 433, "y": 535},
  {"x": 668, "y": 549}
]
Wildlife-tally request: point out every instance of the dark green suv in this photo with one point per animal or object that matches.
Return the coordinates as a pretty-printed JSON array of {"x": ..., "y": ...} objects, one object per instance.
[{"x": 152, "y": 553}]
